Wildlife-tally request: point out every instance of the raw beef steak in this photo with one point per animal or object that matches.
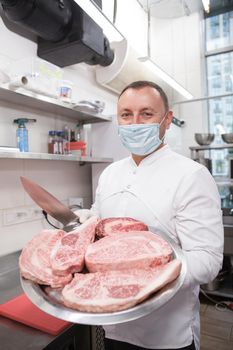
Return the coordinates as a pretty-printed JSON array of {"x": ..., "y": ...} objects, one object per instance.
[
  {"x": 67, "y": 255},
  {"x": 111, "y": 291},
  {"x": 34, "y": 261},
  {"x": 107, "y": 227},
  {"x": 127, "y": 250}
]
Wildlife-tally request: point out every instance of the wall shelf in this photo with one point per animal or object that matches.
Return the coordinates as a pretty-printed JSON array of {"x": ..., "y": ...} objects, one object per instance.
[
  {"x": 51, "y": 105},
  {"x": 47, "y": 156},
  {"x": 203, "y": 148},
  {"x": 195, "y": 149}
]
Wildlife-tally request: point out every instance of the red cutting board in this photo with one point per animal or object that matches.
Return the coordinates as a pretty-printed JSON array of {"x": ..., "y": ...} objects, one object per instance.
[{"x": 22, "y": 310}]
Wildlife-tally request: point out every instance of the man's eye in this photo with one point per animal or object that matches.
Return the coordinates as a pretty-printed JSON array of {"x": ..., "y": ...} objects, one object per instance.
[
  {"x": 147, "y": 114},
  {"x": 125, "y": 115}
]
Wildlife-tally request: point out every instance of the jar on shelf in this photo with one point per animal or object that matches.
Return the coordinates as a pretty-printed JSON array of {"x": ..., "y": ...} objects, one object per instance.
[
  {"x": 52, "y": 142},
  {"x": 60, "y": 141},
  {"x": 65, "y": 90}
]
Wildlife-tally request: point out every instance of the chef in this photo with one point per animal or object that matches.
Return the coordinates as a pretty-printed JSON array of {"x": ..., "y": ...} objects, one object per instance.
[{"x": 176, "y": 196}]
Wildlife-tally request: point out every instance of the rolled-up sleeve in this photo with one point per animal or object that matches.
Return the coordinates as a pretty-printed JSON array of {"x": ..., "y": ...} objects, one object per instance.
[{"x": 198, "y": 222}]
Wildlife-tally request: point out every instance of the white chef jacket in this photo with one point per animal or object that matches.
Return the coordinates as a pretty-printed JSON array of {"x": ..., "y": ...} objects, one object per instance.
[{"x": 177, "y": 196}]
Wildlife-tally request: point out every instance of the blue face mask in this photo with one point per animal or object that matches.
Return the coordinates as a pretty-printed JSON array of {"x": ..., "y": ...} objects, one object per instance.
[{"x": 140, "y": 139}]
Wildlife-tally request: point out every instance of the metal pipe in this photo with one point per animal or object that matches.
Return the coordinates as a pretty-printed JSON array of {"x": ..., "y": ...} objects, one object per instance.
[
  {"x": 148, "y": 29},
  {"x": 203, "y": 98}
]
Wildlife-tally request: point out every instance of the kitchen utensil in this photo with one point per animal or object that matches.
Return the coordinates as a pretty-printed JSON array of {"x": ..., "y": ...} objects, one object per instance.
[
  {"x": 49, "y": 300},
  {"x": 90, "y": 106},
  {"x": 22, "y": 310},
  {"x": 50, "y": 204},
  {"x": 228, "y": 138},
  {"x": 204, "y": 139}
]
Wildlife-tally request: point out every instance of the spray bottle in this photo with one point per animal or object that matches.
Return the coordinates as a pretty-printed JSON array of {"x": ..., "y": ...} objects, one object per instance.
[{"x": 22, "y": 133}]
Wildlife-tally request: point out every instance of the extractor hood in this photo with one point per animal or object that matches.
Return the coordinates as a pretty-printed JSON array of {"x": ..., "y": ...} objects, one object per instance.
[{"x": 64, "y": 32}]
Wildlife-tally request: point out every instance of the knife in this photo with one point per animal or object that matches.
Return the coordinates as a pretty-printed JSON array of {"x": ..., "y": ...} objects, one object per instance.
[{"x": 49, "y": 203}]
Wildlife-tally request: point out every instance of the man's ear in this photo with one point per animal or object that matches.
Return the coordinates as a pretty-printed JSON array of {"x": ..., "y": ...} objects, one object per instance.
[{"x": 169, "y": 119}]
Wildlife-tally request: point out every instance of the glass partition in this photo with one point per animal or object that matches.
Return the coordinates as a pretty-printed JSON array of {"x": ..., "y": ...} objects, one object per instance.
[{"x": 219, "y": 70}]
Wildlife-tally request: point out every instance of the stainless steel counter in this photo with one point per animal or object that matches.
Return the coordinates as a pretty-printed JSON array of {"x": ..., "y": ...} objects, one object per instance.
[{"x": 16, "y": 336}]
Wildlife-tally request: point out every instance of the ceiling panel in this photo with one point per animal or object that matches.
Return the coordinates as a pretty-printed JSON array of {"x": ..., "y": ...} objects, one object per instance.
[{"x": 172, "y": 8}]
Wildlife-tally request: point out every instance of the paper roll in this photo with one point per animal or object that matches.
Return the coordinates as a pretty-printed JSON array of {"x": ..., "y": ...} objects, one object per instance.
[
  {"x": 18, "y": 82},
  {"x": 31, "y": 85}
]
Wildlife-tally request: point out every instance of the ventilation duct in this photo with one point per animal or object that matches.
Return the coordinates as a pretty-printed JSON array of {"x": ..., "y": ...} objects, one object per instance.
[
  {"x": 124, "y": 69},
  {"x": 129, "y": 66},
  {"x": 65, "y": 34}
]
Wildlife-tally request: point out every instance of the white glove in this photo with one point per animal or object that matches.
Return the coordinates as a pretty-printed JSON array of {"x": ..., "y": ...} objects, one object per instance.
[{"x": 83, "y": 214}]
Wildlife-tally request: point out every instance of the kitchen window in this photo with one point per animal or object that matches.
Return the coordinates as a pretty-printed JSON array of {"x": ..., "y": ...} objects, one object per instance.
[
  {"x": 219, "y": 70},
  {"x": 219, "y": 31}
]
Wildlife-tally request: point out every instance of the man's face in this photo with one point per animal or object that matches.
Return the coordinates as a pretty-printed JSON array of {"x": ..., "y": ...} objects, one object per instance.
[{"x": 142, "y": 106}]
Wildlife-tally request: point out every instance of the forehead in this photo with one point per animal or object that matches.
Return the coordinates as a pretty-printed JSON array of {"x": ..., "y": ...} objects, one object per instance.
[{"x": 145, "y": 97}]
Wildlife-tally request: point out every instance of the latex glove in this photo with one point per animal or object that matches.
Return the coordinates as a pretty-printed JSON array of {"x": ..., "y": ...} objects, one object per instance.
[{"x": 83, "y": 214}]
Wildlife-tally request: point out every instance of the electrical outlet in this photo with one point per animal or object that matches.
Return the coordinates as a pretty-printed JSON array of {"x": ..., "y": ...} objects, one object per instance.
[
  {"x": 16, "y": 216},
  {"x": 21, "y": 214},
  {"x": 36, "y": 213},
  {"x": 75, "y": 201}
]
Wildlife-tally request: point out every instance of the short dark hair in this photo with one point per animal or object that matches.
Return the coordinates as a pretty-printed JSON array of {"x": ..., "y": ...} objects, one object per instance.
[{"x": 139, "y": 84}]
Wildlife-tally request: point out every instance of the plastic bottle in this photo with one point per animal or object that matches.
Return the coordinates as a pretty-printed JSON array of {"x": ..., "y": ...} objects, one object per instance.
[
  {"x": 60, "y": 141},
  {"x": 79, "y": 136},
  {"x": 67, "y": 138},
  {"x": 72, "y": 136},
  {"x": 80, "y": 139},
  {"x": 22, "y": 133}
]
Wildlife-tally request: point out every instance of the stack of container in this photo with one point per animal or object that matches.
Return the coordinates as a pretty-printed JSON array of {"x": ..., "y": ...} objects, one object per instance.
[
  {"x": 56, "y": 142},
  {"x": 67, "y": 141}
]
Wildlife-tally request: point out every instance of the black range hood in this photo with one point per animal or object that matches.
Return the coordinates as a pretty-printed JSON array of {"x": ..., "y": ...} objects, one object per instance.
[{"x": 65, "y": 34}]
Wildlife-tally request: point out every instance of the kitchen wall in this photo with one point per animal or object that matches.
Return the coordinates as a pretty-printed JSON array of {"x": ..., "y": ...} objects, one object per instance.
[
  {"x": 68, "y": 179},
  {"x": 177, "y": 47},
  {"x": 64, "y": 179}
]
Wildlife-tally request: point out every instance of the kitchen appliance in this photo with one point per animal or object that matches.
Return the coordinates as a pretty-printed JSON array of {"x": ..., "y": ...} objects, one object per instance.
[
  {"x": 50, "y": 204},
  {"x": 204, "y": 139},
  {"x": 49, "y": 300},
  {"x": 65, "y": 34},
  {"x": 228, "y": 138}
]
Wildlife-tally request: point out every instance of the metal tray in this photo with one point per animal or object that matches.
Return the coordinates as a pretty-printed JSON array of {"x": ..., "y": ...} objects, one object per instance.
[{"x": 49, "y": 300}]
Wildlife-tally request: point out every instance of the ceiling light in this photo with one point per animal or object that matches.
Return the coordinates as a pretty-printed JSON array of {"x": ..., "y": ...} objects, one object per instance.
[
  {"x": 165, "y": 77},
  {"x": 206, "y": 5},
  {"x": 92, "y": 10}
]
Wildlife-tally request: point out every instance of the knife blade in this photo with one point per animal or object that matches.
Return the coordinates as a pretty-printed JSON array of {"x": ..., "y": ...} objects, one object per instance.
[{"x": 48, "y": 202}]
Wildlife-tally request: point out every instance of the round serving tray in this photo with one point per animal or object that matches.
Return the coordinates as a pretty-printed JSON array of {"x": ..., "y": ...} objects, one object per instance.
[{"x": 49, "y": 300}]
